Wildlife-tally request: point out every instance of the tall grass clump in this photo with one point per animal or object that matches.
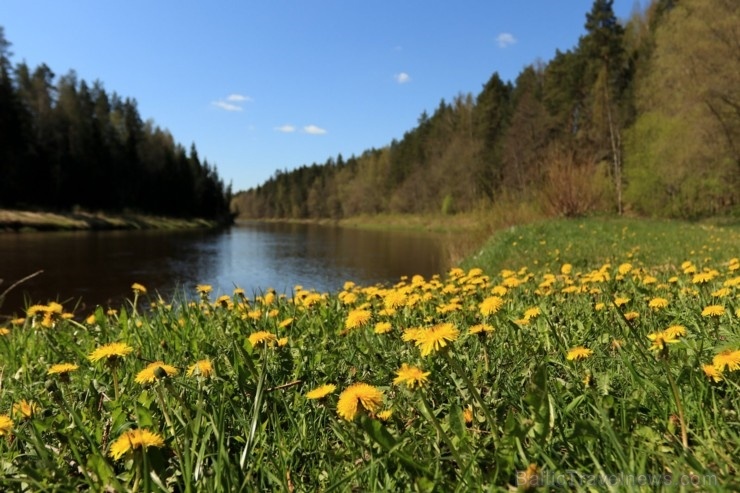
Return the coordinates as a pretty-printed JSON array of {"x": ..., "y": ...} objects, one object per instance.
[{"x": 579, "y": 356}]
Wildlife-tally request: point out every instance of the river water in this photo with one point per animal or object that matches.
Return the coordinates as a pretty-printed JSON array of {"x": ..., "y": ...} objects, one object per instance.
[{"x": 86, "y": 269}]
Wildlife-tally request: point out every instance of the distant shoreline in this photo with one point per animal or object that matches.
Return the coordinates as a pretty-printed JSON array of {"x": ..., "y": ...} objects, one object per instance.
[{"x": 20, "y": 221}]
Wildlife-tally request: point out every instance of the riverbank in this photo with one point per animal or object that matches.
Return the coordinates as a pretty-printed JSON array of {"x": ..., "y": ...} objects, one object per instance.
[{"x": 17, "y": 221}]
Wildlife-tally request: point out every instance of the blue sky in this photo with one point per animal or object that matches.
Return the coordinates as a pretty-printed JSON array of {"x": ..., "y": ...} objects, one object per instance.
[{"x": 265, "y": 85}]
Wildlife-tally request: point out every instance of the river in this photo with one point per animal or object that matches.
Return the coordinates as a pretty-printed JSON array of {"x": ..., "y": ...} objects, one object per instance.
[{"x": 86, "y": 269}]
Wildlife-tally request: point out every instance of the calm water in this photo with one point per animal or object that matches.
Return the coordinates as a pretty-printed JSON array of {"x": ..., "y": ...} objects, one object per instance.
[{"x": 97, "y": 268}]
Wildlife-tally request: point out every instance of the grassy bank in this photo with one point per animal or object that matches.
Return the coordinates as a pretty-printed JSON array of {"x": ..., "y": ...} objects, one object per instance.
[
  {"x": 595, "y": 353},
  {"x": 23, "y": 221}
]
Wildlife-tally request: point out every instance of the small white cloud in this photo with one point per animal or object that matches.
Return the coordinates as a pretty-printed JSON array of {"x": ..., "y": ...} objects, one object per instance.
[
  {"x": 402, "y": 78},
  {"x": 238, "y": 98},
  {"x": 227, "y": 106},
  {"x": 505, "y": 39},
  {"x": 314, "y": 130},
  {"x": 286, "y": 129}
]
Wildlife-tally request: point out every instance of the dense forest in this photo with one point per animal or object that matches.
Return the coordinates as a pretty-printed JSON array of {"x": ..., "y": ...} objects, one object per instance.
[
  {"x": 642, "y": 116},
  {"x": 66, "y": 145}
]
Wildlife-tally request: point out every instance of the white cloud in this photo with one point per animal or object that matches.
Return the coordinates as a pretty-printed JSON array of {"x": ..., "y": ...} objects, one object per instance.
[
  {"x": 505, "y": 39},
  {"x": 238, "y": 98},
  {"x": 314, "y": 130},
  {"x": 286, "y": 129},
  {"x": 402, "y": 78},
  {"x": 227, "y": 106}
]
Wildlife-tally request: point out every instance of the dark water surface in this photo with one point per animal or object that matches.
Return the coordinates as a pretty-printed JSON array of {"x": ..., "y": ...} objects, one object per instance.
[{"x": 98, "y": 268}]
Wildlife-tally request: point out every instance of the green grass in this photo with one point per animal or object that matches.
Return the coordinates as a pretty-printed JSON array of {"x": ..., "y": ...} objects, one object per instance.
[{"x": 493, "y": 406}]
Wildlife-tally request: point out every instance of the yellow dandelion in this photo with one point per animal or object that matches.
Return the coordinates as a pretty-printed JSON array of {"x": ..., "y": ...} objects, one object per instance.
[
  {"x": 133, "y": 440},
  {"x": 321, "y": 392},
  {"x": 491, "y": 305},
  {"x": 468, "y": 415},
  {"x": 394, "y": 299},
  {"x": 6, "y": 425},
  {"x": 721, "y": 293},
  {"x": 385, "y": 415},
  {"x": 413, "y": 334},
  {"x": 90, "y": 319},
  {"x": 155, "y": 371},
  {"x": 285, "y": 323},
  {"x": 675, "y": 331},
  {"x": 702, "y": 278},
  {"x": 713, "y": 372},
  {"x": 728, "y": 359},
  {"x": 203, "y": 289},
  {"x": 111, "y": 351},
  {"x": 18, "y": 321},
  {"x": 282, "y": 342},
  {"x": 578, "y": 352},
  {"x": 631, "y": 315},
  {"x": 262, "y": 337},
  {"x": 621, "y": 301},
  {"x": 499, "y": 290},
  {"x": 528, "y": 479},
  {"x": 383, "y": 327},
  {"x": 599, "y": 306},
  {"x": 566, "y": 269},
  {"x": 411, "y": 376},
  {"x": 660, "y": 339},
  {"x": 435, "y": 338},
  {"x": 25, "y": 409},
  {"x": 203, "y": 368},
  {"x": 624, "y": 269},
  {"x": 62, "y": 369},
  {"x": 480, "y": 329},
  {"x": 713, "y": 311},
  {"x": 357, "y": 397},
  {"x": 138, "y": 288},
  {"x": 532, "y": 313},
  {"x": 658, "y": 303},
  {"x": 4, "y": 331},
  {"x": 357, "y": 318}
]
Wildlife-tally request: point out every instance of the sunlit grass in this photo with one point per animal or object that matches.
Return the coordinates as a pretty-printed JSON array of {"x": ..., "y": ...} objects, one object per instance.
[{"x": 573, "y": 352}]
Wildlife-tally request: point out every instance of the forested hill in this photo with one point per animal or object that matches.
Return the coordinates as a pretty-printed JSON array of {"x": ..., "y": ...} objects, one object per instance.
[
  {"x": 642, "y": 115},
  {"x": 67, "y": 144}
]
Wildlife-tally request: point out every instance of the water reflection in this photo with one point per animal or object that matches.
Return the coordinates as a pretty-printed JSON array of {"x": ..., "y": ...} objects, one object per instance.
[{"x": 98, "y": 267}]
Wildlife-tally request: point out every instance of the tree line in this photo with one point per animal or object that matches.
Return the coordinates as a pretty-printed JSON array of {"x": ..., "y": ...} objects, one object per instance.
[
  {"x": 642, "y": 116},
  {"x": 66, "y": 144}
]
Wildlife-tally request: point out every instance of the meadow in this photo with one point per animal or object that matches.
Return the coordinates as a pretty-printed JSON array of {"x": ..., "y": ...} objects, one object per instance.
[{"x": 583, "y": 354}]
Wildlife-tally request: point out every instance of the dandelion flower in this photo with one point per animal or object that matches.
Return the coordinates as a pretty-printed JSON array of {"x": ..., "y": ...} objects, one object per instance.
[
  {"x": 111, "y": 351},
  {"x": 383, "y": 327},
  {"x": 660, "y": 339},
  {"x": 631, "y": 315},
  {"x": 413, "y": 334},
  {"x": 532, "y": 313},
  {"x": 411, "y": 376},
  {"x": 282, "y": 342},
  {"x": 357, "y": 318},
  {"x": 578, "y": 352},
  {"x": 624, "y": 269},
  {"x": 138, "y": 288},
  {"x": 385, "y": 415},
  {"x": 154, "y": 371},
  {"x": 6, "y": 425},
  {"x": 713, "y": 372},
  {"x": 675, "y": 331},
  {"x": 566, "y": 269},
  {"x": 491, "y": 305},
  {"x": 658, "y": 303},
  {"x": 394, "y": 299},
  {"x": 321, "y": 392},
  {"x": 713, "y": 311},
  {"x": 728, "y": 359},
  {"x": 435, "y": 338},
  {"x": 621, "y": 301},
  {"x": 4, "y": 331},
  {"x": 203, "y": 289},
  {"x": 599, "y": 306},
  {"x": 262, "y": 337},
  {"x": 203, "y": 368},
  {"x": 702, "y": 278},
  {"x": 25, "y": 409},
  {"x": 480, "y": 329},
  {"x": 134, "y": 439},
  {"x": 468, "y": 415},
  {"x": 285, "y": 323},
  {"x": 357, "y": 397}
]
